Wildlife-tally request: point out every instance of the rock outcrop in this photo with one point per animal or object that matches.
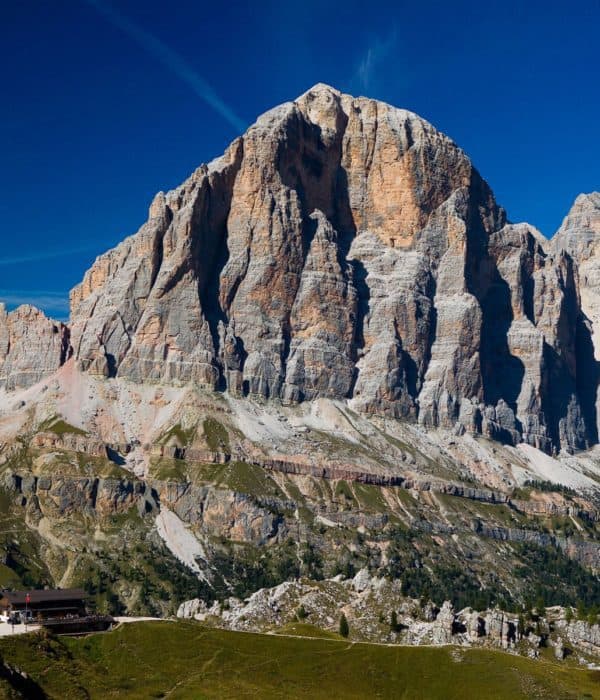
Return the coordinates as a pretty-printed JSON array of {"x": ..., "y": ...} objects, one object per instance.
[
  {"x": 579, "y": 236},
  {"x": 584, "y": 635},
  {"x": 32, "y": 346},
  {"x": 344, "y": 248},
  {"x": 368, "y": 607}
]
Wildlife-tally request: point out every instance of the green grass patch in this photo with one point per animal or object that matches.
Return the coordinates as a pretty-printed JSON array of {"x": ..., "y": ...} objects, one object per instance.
[
  {"x": 183, "y": 437},
  {"x": 216, "y": 436},
  {"x": 306, "y": 515},
  {"x": 490, "y": 513},
  {"x": 521, "y": 493},
  {"x": 58, "y": 426},
  {"x": 168, "y": 469},
  {"x": 405, "y": 498},
  {"x": 185, "y": 660},
  {"x": 235, "y": 476},
  {"x": 370, "y": 497},
  {"x": 305, "y": 629},
  {"x": 337, "y": 445},
  {"x": 76, "y": 464},
  {"x": 343, "y": 490},
  {"x": 118, "y": 521},
  {"x": 247, "y": 478},
  {"x": 293, "y": 490},
  {"x": 8, "y": 577}
]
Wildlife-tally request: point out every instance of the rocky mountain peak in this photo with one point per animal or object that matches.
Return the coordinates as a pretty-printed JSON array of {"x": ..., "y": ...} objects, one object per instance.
[
  {"x": 345, "y": 248},
  {"x": 580, "y": 230}
]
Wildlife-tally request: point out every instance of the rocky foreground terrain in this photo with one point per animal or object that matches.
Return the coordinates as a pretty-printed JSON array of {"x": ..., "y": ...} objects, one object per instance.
[
  {"x": 327, "y": 352},
  {"x": 376, "y": 610}
]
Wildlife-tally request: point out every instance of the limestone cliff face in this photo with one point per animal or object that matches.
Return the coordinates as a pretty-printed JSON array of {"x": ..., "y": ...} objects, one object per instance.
[
  {"x": 345, "y": 248},
  {"x": 579, "y": 237},
  {"x": 31, "y": 346},
  {"x": 301, "y": 263}
]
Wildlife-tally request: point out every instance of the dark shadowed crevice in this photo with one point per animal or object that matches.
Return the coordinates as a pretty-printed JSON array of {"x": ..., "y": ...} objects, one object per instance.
[
  {"x": 359, "y": 278},
  {"x": 114, "y": 457},
  {"x": 501, "y": 372},
  {"x": 157, "y": 248},
  {"x": 94, "y": 493},
  {"x": 528, "y": 284},
  {"x": 558, "y": 389},
  {"x": 526, "y": 278},
  {"x": 209, "y": 251},
  {"x": 66, "y": 350},
  {"x": 363, "y": 296},
  {"x": 312, "y": 169},
  {"x": 431, "y": 321},
  {"x": 411, "y": 372},
  {"x": 569, "y": 401},
  {"x": 588, "y": 375},
  {"x": 111, "y": 364}
]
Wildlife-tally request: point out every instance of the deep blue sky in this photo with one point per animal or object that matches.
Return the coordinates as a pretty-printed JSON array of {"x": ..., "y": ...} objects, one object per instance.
[{"x": 103, "y": 108}]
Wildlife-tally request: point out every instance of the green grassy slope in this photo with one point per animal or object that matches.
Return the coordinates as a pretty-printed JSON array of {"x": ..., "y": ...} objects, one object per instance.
[{"x": 186, "y": 660}]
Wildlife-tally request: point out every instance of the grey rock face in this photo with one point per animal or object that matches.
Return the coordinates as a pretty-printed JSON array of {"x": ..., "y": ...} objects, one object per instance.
[
  {"x": 345, "y": 248},
  {"x": 584, "y": 635},
  {"x": 579, "y": 237},
  {"x": 274, "y": 271},
  {"x": 443, "y": 629},
  {"x": 234, "y": 515},
  {"x": 501, "y": 628},
  {"x": 32, "y": 346}
]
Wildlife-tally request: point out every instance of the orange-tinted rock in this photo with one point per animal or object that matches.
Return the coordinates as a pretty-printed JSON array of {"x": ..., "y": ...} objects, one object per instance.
[{"x": 345, "y": 248}]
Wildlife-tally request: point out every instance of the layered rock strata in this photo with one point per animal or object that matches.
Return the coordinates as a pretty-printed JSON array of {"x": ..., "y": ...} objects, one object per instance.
[
  {"x": 343, "y": 248},
  {"x": 579, "y": 237},
  {"x": 32, "y": 346}
]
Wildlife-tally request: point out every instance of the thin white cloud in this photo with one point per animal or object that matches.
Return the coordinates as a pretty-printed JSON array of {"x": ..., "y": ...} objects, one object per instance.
[
  {"x": 44, "y": 255},
  {"x": 169, "y": 58},
  {"x": 57, "y": 302},
  {"x": 370, "y": 63}
]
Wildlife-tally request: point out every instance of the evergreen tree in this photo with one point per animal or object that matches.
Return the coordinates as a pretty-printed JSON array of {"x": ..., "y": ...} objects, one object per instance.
[
  {"x": 344, "y": 628},
  {"x": 394, "y": 621},
  {"x": 569, "y": 614},
  {"x": 540, "y": 607}
]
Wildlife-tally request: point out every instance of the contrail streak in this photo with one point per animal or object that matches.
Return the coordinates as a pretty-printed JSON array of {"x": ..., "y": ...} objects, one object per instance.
[
  {"x": 47, "y": 255},
  {"x": 171, "y": 59}
]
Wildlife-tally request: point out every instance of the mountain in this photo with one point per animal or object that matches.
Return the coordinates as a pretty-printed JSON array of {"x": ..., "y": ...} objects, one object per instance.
[
  {"x": 346, "y": 249},
  {"x": 326, "y": 351}
]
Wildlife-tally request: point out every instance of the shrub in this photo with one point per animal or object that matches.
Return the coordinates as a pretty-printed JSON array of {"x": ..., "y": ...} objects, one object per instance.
[{"x": 344, "y": 627}]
